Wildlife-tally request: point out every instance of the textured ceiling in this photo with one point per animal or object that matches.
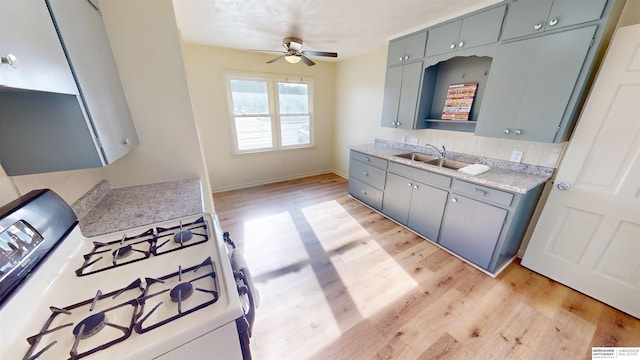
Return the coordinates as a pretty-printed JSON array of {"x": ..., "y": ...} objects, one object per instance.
[{"x": 348, "y": 27}]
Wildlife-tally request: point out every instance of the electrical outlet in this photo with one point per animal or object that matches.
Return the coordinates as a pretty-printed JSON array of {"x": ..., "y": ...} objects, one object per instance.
[
  {"x": 404, "y": 139},
  {"x": 516, "y": 156},
  {"x": 414, "y": 141}
]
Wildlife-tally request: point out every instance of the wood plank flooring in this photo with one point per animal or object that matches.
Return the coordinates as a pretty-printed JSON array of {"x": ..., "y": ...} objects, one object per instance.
[{"x": 339, "y": 281}]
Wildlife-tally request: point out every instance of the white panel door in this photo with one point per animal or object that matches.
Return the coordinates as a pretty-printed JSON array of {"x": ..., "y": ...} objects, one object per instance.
[{"x": 588, "y": 235}]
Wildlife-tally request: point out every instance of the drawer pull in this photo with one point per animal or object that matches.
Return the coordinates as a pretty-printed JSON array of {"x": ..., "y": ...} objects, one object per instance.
[
  {"x": 480, "y": 191},
  {"x": 415, "y": 187},
  {"x": 553, "y": 22},
  {"x": 365, "y": 173},
  {"x": 409, "y": 184},
  {"x": 454, "y": 200},
  {"x": 367, "y": 159},
  {"x": 363, "y": 192},
  {"x": 537, "y": 26}
]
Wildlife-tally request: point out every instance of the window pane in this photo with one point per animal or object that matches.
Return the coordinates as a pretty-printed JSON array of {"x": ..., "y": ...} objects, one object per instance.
[
  {"x": 249, "y": 97},
  {"x": 293, "y": 98},
  {"x": 295, "y": 130},
  {"x": 253, "y": 133}
]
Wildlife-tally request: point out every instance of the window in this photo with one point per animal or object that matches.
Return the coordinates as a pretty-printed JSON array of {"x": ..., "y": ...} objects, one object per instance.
[{"x": 269, "y": 112}]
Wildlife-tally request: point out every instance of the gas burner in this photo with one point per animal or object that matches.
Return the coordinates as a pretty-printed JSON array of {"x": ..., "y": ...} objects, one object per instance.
[
  {"x": 93, "y": 331},
  {"x": 181, "y": 292},
  {"x": 90, "y": 325},
  {"x": 180, "y": 236},
  {"x": 165, "y": 298},
  {"x": 183, "y": 236},
  {"x": 122, "y": 252}
]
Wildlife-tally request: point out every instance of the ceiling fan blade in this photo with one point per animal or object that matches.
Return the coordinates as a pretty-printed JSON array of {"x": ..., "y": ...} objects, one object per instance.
[
  {"x": 276, "y": 59},
  {"x": 320, "y": 53},
  {"x": 271, "y": 51},
  {"x": 306, "y": 60}
]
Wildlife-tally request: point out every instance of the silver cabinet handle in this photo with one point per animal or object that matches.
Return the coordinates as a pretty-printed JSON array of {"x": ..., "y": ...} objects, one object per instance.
[
  {"x": 454, "y": 200},
  {"x": 363, "y": 192},
  {"x": 452, "y": 46},
  {"x": 401, "y": 58},
  {"x": 406, "y": 58},
  {"x": 461, "y": 44},
  {"x": 564, "y": 186},
  {"x": 367, "y": 159},
  {"x": 409, "y": 184},
  {"x": 126, "y": 141},
  {"x": 553, "y": 22},
  {"x": 398, "y": 123},
  {"x": 506, "y": 131},
  {"x": 537, "y": 26},
  {"x": 415, "y": 187},
  {"x": 518, "y": 132},
  {"x": 479, "y": 191},
  {"x": 365, "y": 173},
  {"x": 11, "y": 60}
]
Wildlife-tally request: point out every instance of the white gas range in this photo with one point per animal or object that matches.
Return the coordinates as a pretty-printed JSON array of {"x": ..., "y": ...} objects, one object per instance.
[{"x": 164, "y": 291}]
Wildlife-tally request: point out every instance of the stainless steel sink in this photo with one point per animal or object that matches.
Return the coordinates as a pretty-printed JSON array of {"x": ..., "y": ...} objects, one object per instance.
[
  {"x": 447, "y": 163},
  {"x": 416, "y": 156}
]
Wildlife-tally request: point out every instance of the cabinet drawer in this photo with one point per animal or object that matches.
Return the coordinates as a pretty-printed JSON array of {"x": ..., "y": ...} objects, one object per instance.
[
  {"x": 365, "y": 193},
  {"x": 368, "y": 174},
  {"x": 483, "y": 193},
  {"x": 368, "y": 159},
  {"x": 423, "y": 176}
]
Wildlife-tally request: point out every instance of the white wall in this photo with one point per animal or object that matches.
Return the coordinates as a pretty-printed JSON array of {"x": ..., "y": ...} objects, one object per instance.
[
  {"x": 205, "y": 68},
  {"x": 148, "y": 51}
]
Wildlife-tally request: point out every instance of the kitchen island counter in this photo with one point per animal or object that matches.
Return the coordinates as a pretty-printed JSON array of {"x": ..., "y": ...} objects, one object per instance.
[{"x": 104, "y": 210}]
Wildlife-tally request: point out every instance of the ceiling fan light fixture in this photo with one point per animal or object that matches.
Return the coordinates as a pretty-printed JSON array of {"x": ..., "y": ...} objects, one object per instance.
[{"x": 293, "y": 59}]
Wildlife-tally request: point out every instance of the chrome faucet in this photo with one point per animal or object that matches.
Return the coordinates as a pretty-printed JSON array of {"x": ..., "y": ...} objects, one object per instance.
[{"x": 442, "y": 153}]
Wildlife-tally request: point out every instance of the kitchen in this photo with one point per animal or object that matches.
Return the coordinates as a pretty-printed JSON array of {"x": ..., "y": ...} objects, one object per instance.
[{"x": 164, "y": 104}]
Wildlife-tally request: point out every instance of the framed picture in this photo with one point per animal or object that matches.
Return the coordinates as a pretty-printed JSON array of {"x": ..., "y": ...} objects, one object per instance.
[{"x": 457, "y": 105}]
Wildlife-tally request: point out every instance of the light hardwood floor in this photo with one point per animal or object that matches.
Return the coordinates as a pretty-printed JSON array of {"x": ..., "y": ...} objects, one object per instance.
[{"x": 339, "y": 281}]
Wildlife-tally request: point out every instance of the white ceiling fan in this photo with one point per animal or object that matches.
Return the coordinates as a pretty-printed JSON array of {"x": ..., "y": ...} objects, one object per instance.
[{"x": 293, "y": 52}]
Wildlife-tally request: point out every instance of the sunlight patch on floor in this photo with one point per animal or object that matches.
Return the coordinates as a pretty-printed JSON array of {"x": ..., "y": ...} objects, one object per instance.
[{"x": 357, "y": 258}]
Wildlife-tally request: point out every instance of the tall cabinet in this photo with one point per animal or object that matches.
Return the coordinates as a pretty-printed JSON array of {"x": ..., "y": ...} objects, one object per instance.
[{"x": 402, "y": 81}]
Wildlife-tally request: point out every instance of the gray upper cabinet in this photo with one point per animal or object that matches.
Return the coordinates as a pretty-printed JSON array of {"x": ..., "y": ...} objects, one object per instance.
[
  {"x": 87, "y": 47},
  {"x": 402, "y": 81},
  {"x": 401, "y": 91},
  {"x": 531, "y": 82},
  {"x": 27, "y": 35},
  {"x": 406, "y": 49},
  {"x": 474, "y": 30},
  {"x": 528, "y": 17}
]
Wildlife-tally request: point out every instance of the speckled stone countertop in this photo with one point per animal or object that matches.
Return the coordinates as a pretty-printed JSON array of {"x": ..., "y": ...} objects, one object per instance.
[
  {"x": 103, "y": 210},
  {"x": 506, "y": 175}
]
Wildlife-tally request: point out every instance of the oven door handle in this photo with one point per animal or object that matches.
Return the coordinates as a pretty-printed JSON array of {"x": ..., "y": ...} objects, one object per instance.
[{"x": 241, "y": 273}]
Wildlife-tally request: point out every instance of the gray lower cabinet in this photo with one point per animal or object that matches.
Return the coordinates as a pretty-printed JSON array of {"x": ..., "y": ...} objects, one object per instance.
[
  {"x": 471, "y": 229},
  {"x": 411, "y": 198},
  {"x": 367, "y": 178},
  {"x": 528, "y": 17},
  {"x": 486, "y": 225},
  {"x": 531, "y": 85}
]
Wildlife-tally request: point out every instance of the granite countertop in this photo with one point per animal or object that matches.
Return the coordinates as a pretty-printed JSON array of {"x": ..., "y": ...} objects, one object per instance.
[
  {"x": 104, "y": 210},
  {"x": 505, "y": 175}
]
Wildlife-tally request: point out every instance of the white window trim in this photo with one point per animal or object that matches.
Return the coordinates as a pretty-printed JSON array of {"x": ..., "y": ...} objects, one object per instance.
[{"x": 273, "y": 99}]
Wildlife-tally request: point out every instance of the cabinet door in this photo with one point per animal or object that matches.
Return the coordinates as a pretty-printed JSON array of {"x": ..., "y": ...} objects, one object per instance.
[
  {"x": 443, "y": 38},
  {"x": 27, "y": 32},
  {"x": 553, "y": 78},
  {"x": 530, "y": 16},
  {"x": 426, "y": 210},
  {"x": 415, "y": 46},
  {"x": 471, "y": 229},
  {"x": 526, "y": 17},
  {"x": 410, "y": 89},
  {"x": 391, "y": 100},
  {"x": 397, "y": 197},
  {"x": 530, "y": 85},
  {"x": 481, "y": 28},
  {"x": 87, "y": 46},
  {"x": 395, "y": 53}
]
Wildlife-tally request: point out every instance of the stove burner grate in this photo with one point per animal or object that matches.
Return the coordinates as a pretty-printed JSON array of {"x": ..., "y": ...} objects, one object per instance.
[{"x": 181, "y": 292}]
